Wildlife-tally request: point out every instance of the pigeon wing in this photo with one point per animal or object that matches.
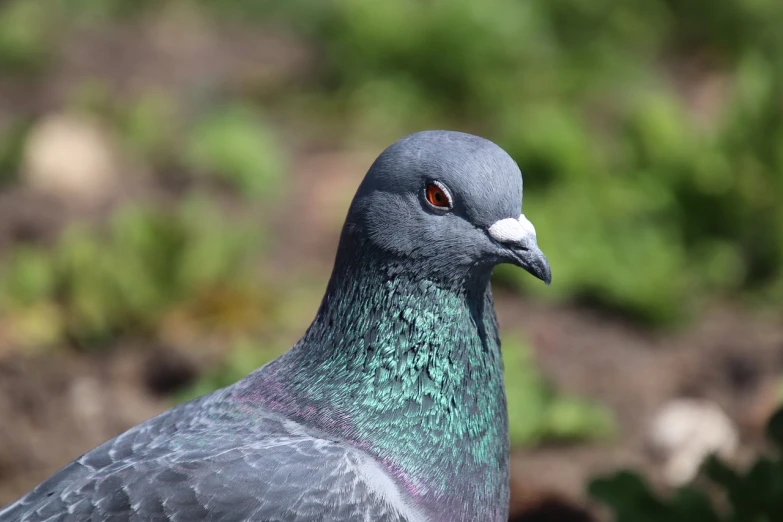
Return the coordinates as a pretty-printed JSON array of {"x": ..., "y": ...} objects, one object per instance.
[{"x": 158, "y": 473}]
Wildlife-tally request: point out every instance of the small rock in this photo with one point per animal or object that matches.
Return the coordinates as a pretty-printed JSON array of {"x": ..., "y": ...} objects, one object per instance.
[
  {"x": 72, "y": 158},
  {"x": 686, "y": 431}
]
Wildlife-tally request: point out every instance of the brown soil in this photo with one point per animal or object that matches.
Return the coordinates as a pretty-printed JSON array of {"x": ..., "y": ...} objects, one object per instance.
[{"x": 55, "y": 407}]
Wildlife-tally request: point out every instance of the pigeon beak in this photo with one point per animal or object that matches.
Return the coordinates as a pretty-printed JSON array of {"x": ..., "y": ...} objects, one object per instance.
[{"x": 518, "y": 236}]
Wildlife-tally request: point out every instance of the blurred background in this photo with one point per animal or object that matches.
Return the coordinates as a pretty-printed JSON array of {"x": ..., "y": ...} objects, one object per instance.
[{"x": 173, "y": 177}]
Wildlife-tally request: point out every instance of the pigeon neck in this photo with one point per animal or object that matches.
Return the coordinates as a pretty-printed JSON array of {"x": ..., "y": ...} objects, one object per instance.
[{"x": 410, "y": 370}]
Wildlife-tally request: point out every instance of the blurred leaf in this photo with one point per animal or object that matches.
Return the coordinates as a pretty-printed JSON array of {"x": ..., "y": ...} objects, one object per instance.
[
  {"x": 692, "y": 505},
  {"x": 12, "y": 139},
  {"x": 26, "y": 32},
  {"x": 150, "y": 125},
  {"x": 627, "y": 494},
  {"x": 775, "y": 428},
  {"x": 632, "y": 500},
  {"x": 572, "y": 418},
  {"x": 124, "y": 280},
  {"x": 233, "y": 143},
  {"x": 26, "y": 276},
  {"x": 721, "y": 474}
]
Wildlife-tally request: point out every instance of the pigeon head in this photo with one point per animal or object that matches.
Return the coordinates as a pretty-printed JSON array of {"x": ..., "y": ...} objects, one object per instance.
[{"x": 449, "y": 202}]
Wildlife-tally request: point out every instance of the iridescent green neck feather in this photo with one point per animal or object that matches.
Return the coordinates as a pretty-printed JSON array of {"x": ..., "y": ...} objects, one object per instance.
[{"x": 408, "y": 368}]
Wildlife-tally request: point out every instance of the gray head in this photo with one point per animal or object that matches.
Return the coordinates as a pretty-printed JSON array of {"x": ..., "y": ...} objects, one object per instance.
[{"x": 451, "y": 202}]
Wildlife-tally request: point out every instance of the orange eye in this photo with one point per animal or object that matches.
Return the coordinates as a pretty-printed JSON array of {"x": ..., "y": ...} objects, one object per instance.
[{"x": 438, "y": 197}]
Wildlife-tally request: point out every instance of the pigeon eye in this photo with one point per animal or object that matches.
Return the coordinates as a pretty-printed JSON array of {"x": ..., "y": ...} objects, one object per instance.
[{"x": 438, "y": 196}]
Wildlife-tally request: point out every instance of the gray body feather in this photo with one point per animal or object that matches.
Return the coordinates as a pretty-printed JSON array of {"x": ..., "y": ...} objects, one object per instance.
[{"x": 215, "y": 459}]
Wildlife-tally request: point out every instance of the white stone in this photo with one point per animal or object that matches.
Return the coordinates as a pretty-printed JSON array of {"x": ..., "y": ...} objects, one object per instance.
[
  {"x": 686, "y": 431},
  {"x": 72, "y": 158}
]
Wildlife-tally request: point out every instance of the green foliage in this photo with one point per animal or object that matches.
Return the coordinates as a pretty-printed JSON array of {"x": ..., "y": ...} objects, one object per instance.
[
  {"x": 755, "y": 494},
  {"x": 454, "y": 51},
  {"x": 537, "y": 412},
  {"x": 26, "y": 35},
  {"x": 11, "y": 143},
  {"x": 95, "y": 285},
  {"x": 233, "y": 144},
  {"x": 150, "y": 126},
  {"x": 659, "y": 214}
]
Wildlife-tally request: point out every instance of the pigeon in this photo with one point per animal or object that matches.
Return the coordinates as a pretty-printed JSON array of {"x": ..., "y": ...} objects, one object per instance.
[{"x": 392, "y": 405}]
